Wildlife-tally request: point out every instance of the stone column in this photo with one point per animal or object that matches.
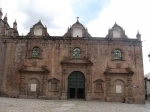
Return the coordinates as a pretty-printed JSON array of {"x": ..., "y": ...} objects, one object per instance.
[
  {"x": 129, "y": 94},
  {"x": 108, "y": 94},
  {"x": 88, "y": 85},
  {"x": 64, "y": 91},
  {"x": 44, "y": 85},
  {"x": 23, "y": 89}
]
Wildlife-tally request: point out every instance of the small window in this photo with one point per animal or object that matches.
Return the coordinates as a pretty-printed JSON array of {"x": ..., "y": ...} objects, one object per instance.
[
  {"x": 117, "y": 54},
  {"x": 36, "y": 52},
  {"x": 76, "y": 53}
]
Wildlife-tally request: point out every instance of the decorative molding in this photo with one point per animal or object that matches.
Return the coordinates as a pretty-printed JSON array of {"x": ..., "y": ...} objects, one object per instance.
[
  {"x": 118, "y": 71},
  {"x": 34, "y": 69},
  {"x": 76, "y": 62}
]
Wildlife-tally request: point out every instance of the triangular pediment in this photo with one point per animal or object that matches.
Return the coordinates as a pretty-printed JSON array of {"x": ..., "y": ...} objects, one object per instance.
[
  {"x": 116, "y": 32},
  {"x": 38, "y": 30},
  {"x": 77, "y": 30}
]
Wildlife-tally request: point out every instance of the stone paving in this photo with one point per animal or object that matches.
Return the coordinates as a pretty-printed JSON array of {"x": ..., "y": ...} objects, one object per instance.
[{"x": 37, "y": 105}]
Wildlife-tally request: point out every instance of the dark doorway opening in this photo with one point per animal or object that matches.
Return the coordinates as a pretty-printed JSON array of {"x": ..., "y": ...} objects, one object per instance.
[
  {"x": 72, "y": 92},
  {"x": 80, "y": 93}
]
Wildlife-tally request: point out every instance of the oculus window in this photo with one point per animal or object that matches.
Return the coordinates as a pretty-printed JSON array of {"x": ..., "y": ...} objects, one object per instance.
[
  {"x": 117, "y": 54},
  {"x": 36, "y": 52},
  {"x": 76, "y": 53}
]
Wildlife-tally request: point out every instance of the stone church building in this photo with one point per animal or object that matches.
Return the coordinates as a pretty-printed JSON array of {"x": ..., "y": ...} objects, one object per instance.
[{"x": 73, "y": 66}]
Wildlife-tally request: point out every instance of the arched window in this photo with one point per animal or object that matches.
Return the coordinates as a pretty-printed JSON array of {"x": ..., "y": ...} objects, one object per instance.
[
  {"x": 36, "y": 52},
  {"x": 117, "y": 54},
  {"x": 76, "y": 53}
]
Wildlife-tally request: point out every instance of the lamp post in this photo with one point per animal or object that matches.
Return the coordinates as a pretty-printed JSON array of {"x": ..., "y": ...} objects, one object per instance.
[{"x": 149, "y": 56}]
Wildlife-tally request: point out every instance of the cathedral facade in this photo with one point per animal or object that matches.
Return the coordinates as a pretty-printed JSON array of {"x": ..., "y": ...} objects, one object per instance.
[{"x": 73, "y": 66}]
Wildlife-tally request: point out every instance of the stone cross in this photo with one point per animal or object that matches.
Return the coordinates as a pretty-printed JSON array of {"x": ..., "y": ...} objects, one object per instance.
[{"x": 77, "y": 18}]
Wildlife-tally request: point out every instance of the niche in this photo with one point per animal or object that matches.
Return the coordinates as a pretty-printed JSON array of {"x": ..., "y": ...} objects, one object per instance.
[
  {"x": 98, "y": 85},
  {"x": 53, "y": 84}
]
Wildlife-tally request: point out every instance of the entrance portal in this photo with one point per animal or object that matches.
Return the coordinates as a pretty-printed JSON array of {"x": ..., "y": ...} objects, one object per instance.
[
  {"x": 76, "y": 85},
  {"x": 33, "y": 88},
  {"x": 119, "y": 93}
]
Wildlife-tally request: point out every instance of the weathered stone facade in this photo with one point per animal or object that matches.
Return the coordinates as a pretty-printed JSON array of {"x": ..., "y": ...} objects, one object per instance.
[{"x": 75, "y": 65}]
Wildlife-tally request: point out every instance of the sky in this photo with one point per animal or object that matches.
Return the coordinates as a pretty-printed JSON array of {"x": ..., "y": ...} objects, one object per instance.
[{"x": 97, "y": 15}]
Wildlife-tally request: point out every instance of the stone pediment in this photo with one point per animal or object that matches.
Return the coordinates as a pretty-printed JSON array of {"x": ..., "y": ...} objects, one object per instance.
[
  {"x": 119, "y": 71},
  {"x": 34, "y": 69},
  {"x": 38, "y": 27},
  {"x": 84, "y": 61},
  {"x": 73, "y": 31}
]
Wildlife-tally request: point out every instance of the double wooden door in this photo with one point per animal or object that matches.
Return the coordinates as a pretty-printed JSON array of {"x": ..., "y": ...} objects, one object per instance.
[{"x": 76, "y": 85}]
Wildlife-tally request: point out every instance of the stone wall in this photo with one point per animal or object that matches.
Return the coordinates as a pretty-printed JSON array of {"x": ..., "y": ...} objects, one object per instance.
[{"x": 17, "y": 54}]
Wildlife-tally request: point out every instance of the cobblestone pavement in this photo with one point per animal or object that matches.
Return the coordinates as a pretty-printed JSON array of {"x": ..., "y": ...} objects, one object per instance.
[{"x": 37, "y": 105}]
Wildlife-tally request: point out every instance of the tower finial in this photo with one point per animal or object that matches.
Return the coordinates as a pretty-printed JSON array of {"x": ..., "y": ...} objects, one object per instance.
[
  {"x": 77, "y": 19},
  {"x": 15, "y": 25},
  {"x": 5, "y": 18},
  {"x": 15, "y": 21},
  {"x": 138, "y": 35}
]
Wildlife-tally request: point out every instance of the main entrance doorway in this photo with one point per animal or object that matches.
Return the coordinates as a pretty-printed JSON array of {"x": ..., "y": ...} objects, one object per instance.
[{"x": 76, "y": 85}]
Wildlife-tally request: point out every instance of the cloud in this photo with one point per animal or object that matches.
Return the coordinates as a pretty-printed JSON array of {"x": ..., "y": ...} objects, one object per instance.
[
  {"x": 8, "y": 6},
  {"x": 132, "y": 15},
  {"x": 53, "y": 14}
]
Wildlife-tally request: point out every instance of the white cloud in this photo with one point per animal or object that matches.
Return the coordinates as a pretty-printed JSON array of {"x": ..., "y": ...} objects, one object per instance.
[
  {"x": 132, "y": 15},
  {"x": 55, "y": 14}
]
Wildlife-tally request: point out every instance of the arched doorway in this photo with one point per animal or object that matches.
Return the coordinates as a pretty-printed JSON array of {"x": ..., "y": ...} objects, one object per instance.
[
  {"x": 33, "y": 88},
  {"x": 76, "y": 85},
  {"x": 119, "y": 90}
]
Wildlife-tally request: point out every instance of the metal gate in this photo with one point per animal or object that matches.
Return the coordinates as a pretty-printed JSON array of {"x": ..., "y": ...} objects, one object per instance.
[{"x": 76, "y": 85}]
